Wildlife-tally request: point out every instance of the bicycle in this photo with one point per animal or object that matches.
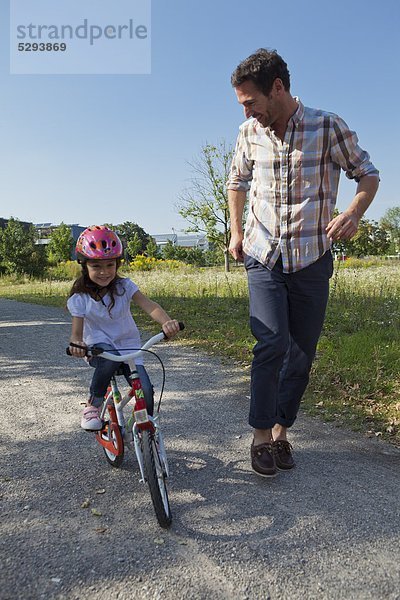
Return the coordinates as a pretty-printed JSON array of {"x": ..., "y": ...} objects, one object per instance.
[{"x": 141, "y": 430}]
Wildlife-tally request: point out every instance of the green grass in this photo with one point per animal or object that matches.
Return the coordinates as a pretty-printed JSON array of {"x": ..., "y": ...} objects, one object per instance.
[{"x": 356, "y": 377}]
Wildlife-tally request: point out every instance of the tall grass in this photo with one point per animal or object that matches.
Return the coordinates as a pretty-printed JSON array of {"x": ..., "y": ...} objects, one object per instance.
[
  {"x": 357, "y": 372},
  {"x": 356, "y": 375}
]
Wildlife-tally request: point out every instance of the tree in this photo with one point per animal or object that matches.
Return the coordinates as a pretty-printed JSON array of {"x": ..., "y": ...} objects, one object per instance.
[
  {"x": 60, "y": 245},
  {"x": 191, "y": 256},
  {"x": 152, "y": 249},
  {"x": 130, "y": 231},
  {"x": 204, "y": 204},
  {"x": 180, "y": 253},
  {"x": 168, "y": 251},
  {"x": 172, "y": 252},
  {"x": 213, "y": 258},
  {"x": 370, "y": 240},
  {"x": 134, "y": 246},
  {"x": 196, "y": 256},
  {"x": 391, "y": 223},
  {"x": 18, "y": 251}
]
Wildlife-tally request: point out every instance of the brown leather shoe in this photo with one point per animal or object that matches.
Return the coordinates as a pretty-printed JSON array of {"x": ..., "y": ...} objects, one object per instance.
[
  {"x": 263, "y": 460},
  {"x": 282, "y": 450}
]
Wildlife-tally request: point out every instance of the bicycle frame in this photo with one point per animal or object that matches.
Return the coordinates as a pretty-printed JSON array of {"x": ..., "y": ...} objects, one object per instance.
[{"x": 141, "y": 429}]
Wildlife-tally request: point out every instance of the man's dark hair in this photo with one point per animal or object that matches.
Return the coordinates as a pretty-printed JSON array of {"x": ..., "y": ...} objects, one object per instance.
[{"x": 262, "y": 68}]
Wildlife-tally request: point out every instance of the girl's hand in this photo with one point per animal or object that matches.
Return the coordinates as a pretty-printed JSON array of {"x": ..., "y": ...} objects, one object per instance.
[
  {"x": 78, "y": 352},
  {"x": 171, "y": 328}
]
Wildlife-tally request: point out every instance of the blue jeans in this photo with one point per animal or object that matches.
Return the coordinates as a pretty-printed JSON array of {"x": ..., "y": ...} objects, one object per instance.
[
  {"x": 287, "y": 312},
  {"x": 105, "y": 369}
]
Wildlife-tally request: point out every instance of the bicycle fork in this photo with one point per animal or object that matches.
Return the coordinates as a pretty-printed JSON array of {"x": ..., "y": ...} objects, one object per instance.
[
  {"x": 138, "y": 451},
  {"x": 139, "y": 421},
  {"x": 160, "y": 448}
]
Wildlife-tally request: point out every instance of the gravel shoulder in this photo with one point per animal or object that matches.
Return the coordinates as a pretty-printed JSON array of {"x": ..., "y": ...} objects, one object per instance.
[{"x": 328, "y": 530}]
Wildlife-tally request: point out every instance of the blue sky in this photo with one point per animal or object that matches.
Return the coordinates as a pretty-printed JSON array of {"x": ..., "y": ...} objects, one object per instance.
[{"x": 110, "y": 148}]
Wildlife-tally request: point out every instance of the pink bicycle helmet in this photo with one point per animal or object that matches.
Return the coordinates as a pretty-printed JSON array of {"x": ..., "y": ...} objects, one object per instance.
[{"x": 98, "y": 242}]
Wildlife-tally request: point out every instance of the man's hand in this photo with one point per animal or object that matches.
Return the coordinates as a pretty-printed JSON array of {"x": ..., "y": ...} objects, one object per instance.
[
  {"x": 78, "y": 352},
  {"x": 236, "y": 247},
  {"x": 343, "y": 227}
]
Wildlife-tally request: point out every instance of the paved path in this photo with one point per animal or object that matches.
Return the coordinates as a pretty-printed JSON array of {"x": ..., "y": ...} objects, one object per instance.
[{"x": 327, "y": 530}]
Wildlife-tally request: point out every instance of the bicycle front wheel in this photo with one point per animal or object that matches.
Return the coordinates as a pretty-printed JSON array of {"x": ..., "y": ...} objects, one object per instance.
[{"x": 156, "y": 478}]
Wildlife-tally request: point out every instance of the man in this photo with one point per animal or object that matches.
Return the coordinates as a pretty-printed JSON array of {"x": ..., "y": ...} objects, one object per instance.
[{"x": 292, "y": 155}]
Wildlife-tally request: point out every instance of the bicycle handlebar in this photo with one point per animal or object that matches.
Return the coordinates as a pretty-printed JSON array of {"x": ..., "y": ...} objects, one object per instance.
[{"x": 123, "y": 357}]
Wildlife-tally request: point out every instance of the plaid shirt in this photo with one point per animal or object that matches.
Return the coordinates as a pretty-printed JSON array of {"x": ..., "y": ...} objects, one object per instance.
[{"x": 294, "y": 184}]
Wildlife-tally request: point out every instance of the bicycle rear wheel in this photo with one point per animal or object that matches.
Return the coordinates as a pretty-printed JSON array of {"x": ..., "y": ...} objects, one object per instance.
[
  {"x": 156, "y": 478},
  {"x": 108, "y": 433}
]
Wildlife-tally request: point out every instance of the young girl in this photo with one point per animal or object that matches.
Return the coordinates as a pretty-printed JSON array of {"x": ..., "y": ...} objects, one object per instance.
[{"x": 99, "y": 303}]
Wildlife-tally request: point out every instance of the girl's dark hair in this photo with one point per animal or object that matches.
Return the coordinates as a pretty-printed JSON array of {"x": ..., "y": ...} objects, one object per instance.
[
  {"x": 84, "y": 285},
  {"x": 262, "y": 68}
]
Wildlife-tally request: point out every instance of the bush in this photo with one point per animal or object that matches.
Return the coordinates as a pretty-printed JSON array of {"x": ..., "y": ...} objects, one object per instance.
[
  {"x": 64, "y": 271},
  {"x": 193, "y": 256},
  {"x": 18, "y": 250},
  {"x": 361, "y": 263},
  {"x": 143, "y": 263},
  {"x": 148, "y": 263}
]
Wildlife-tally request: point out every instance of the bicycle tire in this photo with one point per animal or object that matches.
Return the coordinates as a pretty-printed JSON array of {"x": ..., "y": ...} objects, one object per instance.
[
  {"x": 112, "y": 459},
  {"x": 156, "y": 479}
]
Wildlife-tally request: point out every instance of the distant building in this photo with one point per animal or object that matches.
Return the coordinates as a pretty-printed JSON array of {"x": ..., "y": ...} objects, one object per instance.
[
  {"x": 194, "y": 240},
  {"x": 44, "y": 231},
  {"x": 4, "y": 222}
]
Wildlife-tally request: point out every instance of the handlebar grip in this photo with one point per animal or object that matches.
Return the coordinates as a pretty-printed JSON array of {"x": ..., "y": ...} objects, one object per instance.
[
  {"x": 68, "y": 351},
  {"x": 181, "y": 328}
]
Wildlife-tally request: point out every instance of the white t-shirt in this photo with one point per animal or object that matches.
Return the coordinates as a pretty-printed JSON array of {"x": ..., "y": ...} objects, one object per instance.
[{"x": 118, "y": 329}]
